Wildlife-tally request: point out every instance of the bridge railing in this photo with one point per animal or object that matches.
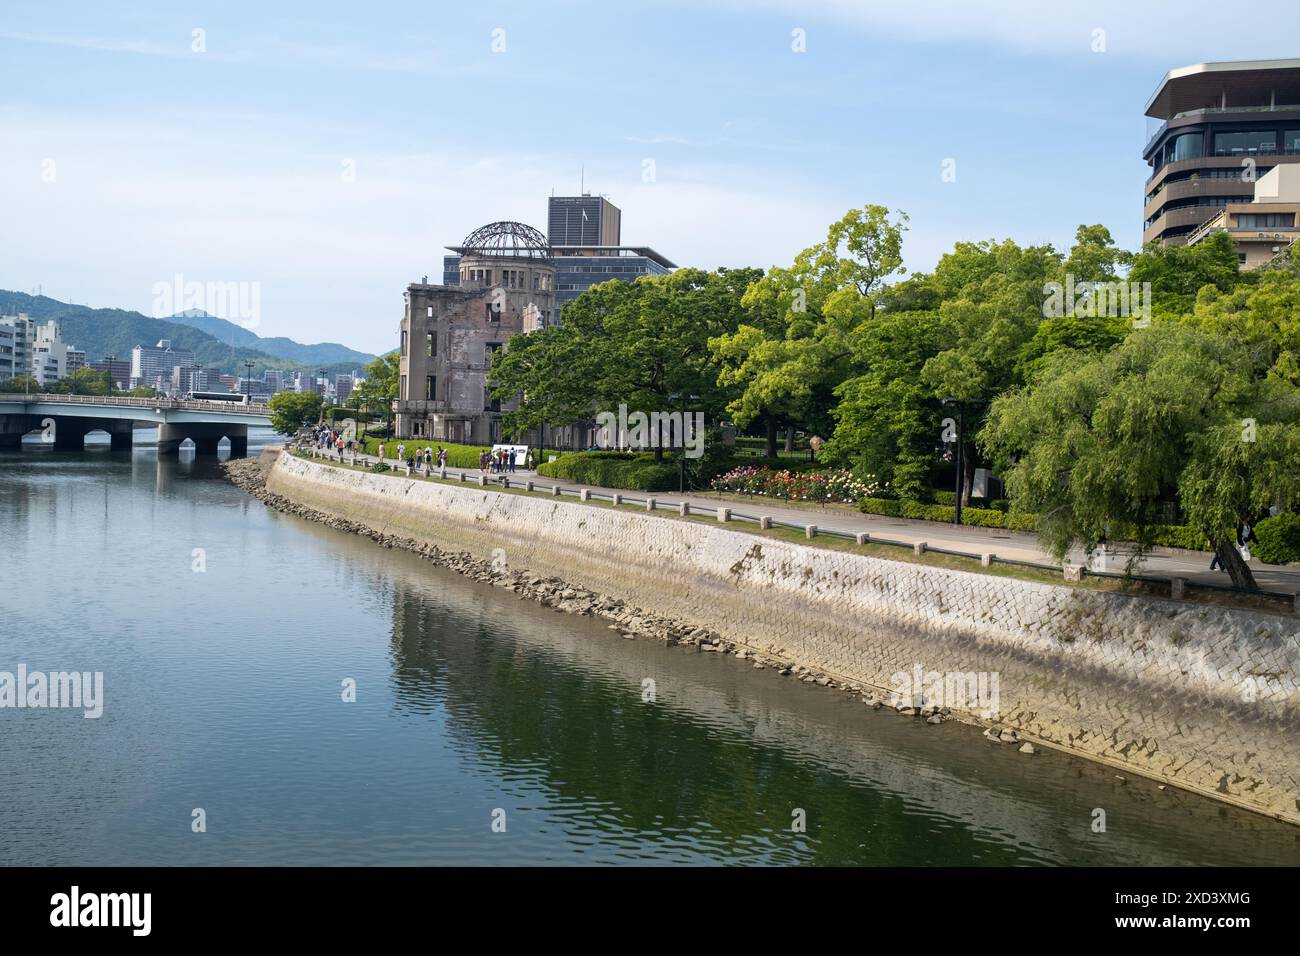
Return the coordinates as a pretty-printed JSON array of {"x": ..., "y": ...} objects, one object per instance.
[{"x": 135, "y": 402}]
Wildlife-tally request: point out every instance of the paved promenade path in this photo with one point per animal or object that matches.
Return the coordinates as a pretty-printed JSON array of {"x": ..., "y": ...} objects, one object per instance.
[{"x": 1018, "y": 545}]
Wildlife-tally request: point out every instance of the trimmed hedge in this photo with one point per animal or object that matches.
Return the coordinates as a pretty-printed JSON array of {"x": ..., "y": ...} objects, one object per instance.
[
  {"x": 458, "y": 456},
  {"x": 1164, "y": 535},
  {"x": 1016, "y": 521},
  {"x": 976, "y": 517},
  {"x": 1279, "y": 539},
  {"x": 995, "y": 504},
  {"x": 613, "y": 469}
]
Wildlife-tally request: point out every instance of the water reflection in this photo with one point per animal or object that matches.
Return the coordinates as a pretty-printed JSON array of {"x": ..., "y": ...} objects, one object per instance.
[{"x": 223, "y": 691}]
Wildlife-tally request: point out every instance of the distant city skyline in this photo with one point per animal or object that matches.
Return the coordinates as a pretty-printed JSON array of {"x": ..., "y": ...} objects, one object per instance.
[{"x": 330, "y": 161}]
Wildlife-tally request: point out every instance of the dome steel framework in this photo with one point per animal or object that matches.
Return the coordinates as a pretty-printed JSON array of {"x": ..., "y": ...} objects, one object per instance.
[{"x": 506, "y": 239}]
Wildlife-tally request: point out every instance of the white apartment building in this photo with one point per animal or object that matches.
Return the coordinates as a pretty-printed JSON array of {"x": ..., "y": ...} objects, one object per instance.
[
  {"x": 49, "y": 357},
  {"x": 16, "y": 335}
]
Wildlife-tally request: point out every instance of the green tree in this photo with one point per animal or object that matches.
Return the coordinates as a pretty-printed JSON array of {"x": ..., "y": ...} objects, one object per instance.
[
  {"x": 20, "y": 383},
  {"x": 1098, "y": 441},
  {"x": 794, "y": 347},
  {"x": 291, "y": 411},
  {"x": 86, "y": 381},
  {"x": 379, "y": 389},
  {"x": 643, "y": 343},
  {"x": 1178, "y": 273}
]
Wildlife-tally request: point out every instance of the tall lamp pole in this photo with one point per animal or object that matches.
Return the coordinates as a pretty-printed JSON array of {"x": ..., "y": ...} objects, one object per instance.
[
  {"x": 957, "y": 482},
  {"x": 248, "y": 381}
]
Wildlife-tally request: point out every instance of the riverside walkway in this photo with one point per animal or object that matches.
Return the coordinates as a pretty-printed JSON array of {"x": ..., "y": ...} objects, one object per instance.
[{"x": 1014, "y": 546}]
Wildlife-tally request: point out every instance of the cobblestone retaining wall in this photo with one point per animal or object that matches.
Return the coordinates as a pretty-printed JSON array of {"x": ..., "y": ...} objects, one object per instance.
[{"x": 1205, "y": 698}]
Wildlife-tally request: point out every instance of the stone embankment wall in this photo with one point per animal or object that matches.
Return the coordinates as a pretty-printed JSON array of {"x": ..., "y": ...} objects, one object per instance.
[{"x": 1205, "y": 698}]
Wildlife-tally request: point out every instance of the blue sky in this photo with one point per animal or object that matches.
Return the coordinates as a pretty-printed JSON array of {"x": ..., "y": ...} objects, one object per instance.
[{"x": 127, "y": 158}]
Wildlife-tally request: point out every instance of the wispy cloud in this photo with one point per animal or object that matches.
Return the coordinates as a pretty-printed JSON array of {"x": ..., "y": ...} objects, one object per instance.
[
  {"x": 134, "y": 47},
  {"x": 1165, "y": 29}
]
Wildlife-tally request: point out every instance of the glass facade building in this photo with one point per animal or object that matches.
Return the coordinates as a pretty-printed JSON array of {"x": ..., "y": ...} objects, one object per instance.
[
  {"x": 1219, "y": 127},
  {"x": 579, "y": 268}
]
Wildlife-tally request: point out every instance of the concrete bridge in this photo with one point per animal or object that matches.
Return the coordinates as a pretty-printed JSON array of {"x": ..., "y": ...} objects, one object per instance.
[{"x": 65, "y": 420}]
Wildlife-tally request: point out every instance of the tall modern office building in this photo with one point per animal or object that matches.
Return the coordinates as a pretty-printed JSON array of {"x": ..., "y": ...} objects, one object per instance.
[
  {"x": 584, "y": 220},
  {"x": 578, "y": 268},
  {"x": 343, "y": 383},
  {"x": 119, "y": 371},
  {"x": 586, "y": 236},
  {"x": 1219, "y": 127},
  {"x": 151, "y": 365},
  {"x": 191, "y": 378}
]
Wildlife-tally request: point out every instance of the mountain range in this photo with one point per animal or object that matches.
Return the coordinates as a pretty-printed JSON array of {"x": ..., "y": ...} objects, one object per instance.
[{"x": 216, "y": 342}]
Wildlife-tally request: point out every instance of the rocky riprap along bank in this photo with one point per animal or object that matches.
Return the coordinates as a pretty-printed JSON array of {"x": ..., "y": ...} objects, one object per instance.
[{"x": 630, "y": 622}]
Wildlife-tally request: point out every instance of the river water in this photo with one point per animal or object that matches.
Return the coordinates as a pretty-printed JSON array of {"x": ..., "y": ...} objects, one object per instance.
[{"x": 485, "y": 729}]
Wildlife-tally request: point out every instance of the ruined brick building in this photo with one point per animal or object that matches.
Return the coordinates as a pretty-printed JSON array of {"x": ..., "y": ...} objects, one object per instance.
[{"x": 450, "y": 334}]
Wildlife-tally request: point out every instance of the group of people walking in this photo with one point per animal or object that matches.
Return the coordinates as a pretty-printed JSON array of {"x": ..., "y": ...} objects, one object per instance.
[
  {"x": 331, "y": 442},
  {"x": 420, "y": 457},
  {"x": 498, "y": 461},
  {"x": 502, "y": 461}
]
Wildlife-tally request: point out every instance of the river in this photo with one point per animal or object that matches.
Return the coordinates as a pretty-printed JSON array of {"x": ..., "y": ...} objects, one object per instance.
[{"x": 485, "y": 729}]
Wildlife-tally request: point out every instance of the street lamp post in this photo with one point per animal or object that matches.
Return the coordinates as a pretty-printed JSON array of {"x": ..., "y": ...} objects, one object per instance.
[
  {"x": 961, "y": 423},
  {"x": 248, "y": 381}
]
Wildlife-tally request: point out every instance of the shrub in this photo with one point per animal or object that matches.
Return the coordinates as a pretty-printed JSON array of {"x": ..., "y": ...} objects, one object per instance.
[
  {"x": 458, "y": 456},
  {"x": 983, "y": 518},
  {"x": 889, "y": 507},
  {"x": 1279, "y": 539},
  {"x": 1019, "y": 521},
  {"x": 380, "y": 466},
  {"x": 945, "y": 498},
  {"x": 1179, "y": 536},
  {"x": 613, "y": 469},
  {"x": 924, "y": 512}
]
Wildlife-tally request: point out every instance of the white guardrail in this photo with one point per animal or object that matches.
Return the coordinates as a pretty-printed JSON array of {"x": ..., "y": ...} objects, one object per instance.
[{"x": 134, "y": 402}]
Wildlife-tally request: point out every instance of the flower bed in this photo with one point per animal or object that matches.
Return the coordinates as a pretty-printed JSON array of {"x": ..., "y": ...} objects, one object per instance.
[{"x": 828, "y": 486}]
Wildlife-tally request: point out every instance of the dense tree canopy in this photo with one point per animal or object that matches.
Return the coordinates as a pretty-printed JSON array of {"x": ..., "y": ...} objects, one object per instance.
[
  {"x": 644, "y": 344},
  {"x": 793, "y": 348},
  {"x": 1099, "y": 441},
  {"x": 1104, "y": 387},
  {"x": 291, "y": 411}
]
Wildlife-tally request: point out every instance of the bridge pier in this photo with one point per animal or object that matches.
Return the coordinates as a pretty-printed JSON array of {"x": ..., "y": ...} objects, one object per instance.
[
  {"x": 12, "y": 430},
  {"x": 70, "y": 433},
  {"x": 205, "y": 435},
  {"x": 121, "y": 436}
]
